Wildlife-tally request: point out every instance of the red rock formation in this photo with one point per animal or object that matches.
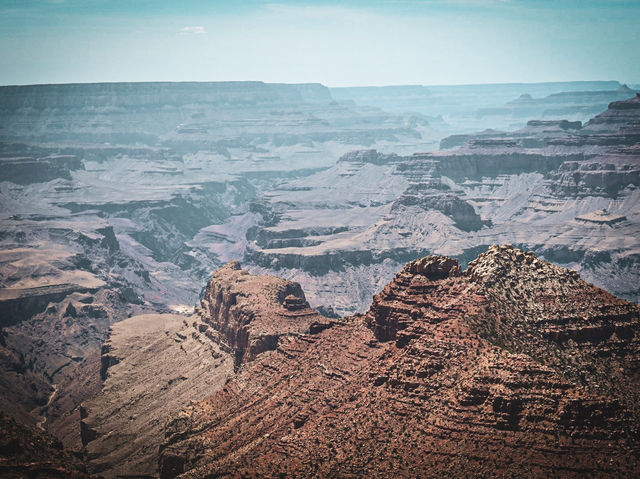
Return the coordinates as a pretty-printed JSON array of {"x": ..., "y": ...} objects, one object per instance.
[
  {"x": 154, "y": 365},
  {"x": 250, "y": 313},
  {"x": 514, "y": 367}
]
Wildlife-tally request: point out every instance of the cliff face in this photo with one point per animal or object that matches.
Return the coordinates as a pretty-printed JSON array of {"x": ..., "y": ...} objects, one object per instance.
[
  {"x": 576, "y": 105},
  {"x": 619, "y": 115},
  {"x": 249, "y": 314},
  {"x": 566, "y": 191},
  {"x": 513, "y": 367}
]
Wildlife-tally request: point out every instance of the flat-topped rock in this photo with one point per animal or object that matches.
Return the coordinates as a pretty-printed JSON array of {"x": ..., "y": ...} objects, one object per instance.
[{"x": 250, "y": 313}]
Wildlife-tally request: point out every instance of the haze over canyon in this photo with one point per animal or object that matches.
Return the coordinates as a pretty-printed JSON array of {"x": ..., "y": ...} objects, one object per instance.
[{"x": 249, "y": 279}]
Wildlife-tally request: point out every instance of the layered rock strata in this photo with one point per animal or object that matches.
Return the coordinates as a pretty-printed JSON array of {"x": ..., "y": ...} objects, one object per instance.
[
  {"x": 568, "y": 191},
  {"x": 513, "y": 367},
  {"x": 249, "y": 314},
  {"x": 155, "y": 365}
]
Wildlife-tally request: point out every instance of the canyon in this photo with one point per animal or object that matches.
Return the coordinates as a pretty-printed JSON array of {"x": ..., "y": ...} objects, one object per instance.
[
  {"x": 565, "y": 190},
  {"x": 118, "y": 201}
]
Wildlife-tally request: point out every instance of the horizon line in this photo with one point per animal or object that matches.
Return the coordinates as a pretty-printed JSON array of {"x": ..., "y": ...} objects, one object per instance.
[{"x": 322, "y": 84}]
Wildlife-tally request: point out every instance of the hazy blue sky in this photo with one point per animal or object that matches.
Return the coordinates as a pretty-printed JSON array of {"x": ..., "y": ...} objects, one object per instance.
[{"x": 335, "y": 43}]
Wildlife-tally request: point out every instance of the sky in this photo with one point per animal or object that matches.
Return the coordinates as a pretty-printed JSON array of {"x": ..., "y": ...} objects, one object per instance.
[{"x": 337, "y": 43}]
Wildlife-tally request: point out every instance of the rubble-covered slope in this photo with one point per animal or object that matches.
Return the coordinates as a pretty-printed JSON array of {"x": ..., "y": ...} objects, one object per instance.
[
  {"x": 27, "y": 452},
  {"x": 512, "y": 367}
]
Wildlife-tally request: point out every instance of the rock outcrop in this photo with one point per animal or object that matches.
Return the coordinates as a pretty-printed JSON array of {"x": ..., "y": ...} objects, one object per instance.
[
  {"x": 383, "y": 317},
  {"x": 249, "y": 314},
  {"x": 514, "y": 366},
  {"x": 154, "y": 365}
]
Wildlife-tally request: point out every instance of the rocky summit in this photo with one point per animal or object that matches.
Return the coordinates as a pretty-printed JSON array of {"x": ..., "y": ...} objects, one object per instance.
[{"x": 513, "y": 367}]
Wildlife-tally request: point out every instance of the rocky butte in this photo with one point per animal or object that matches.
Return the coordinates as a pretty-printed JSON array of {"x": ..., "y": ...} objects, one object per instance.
[{"x": 514, "y": 366}]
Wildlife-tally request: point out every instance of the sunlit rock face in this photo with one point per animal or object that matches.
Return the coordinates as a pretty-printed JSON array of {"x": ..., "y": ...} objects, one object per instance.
[{"x": 514, "y": 366}]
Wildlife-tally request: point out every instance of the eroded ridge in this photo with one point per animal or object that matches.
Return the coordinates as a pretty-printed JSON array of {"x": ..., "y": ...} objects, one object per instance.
[
  {"x": 248, "y": 314},
  {"x": 493, "y": 371},
  {"x": 154, "y": 365}
]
